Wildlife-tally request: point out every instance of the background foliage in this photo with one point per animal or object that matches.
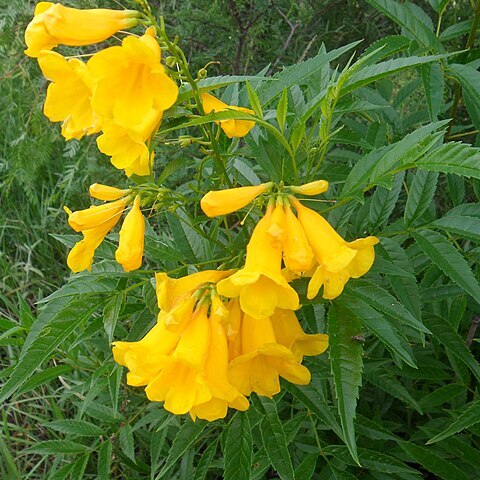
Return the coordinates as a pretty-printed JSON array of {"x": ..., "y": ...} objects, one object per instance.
[{"x": 402, "y": 338}]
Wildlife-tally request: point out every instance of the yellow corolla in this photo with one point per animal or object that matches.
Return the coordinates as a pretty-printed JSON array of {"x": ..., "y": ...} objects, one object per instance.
[
  {"x": 172, "y": 291},
  {"x": 131, "y": 81},
  {"x": 337, "y": 260},
  {"x": 232, "y": 128},
  {"x": 260, "y": 284},
  {"x": 312, "y": 188},
  {"x": 288, "y": 332},
  {"x": 129, "y": 253},
  {"x": 221, "y": 202},
  {"x": 105, "y": 192},
  {"x": 81, "y": 256},
  {"x": 263, "y": 361},
  {"x": 69, "y": 95},
  {"x": 128, "y": 146},
  {"x": 54, "y": 24},
  {"x": 95, "y": 215}
]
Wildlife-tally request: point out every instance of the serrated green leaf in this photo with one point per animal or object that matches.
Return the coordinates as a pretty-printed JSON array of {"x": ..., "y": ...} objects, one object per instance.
[
  {"x": 380, "y": 327},
  {"x": 453, "y": 342},
  {"x": 282, "y": 108},
  {"x": 43, "y": 377},
  {"x": 104, "y": 460},
  {"x": 127, "y": 442},
  {"x": 420, "y": 195},
  {"x": 433, "y": 85},
  {"x": 254, "y": 101},
  {"x": 441, "y": 396},
  {"x": 469, "y": 78},
  {"x": 80, "y": 428},
  {"x": 111, "y": 312},
  {"x": 433, "y": 462},
  {"x": 57, "y": 447},
  {"x": 467, "y": 227},
  {"x": 274, "y": 439},
  {"x": 346, "y": 364},
  {"x": 46, "y": 334},
  {"x": 186, "y": 436},
  {"x": 238, "y": 449},
  {"x": 205, "y": 461},
  {"x": 470, "y": 416},
  {"x": 453, "y": 157},
  {"x": 449, "y": 260}
]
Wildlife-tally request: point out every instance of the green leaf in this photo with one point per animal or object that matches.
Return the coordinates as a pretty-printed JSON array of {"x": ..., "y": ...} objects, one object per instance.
[
  {"x": 449, "y": 260},
  {"x": 282, "y": 108},
  {"x": 347, "y": 364},
  {"x": 453, "y": 157},
  {"x": 80, "y": 428},
  {"x": 380, "y": 327},
  {"x": 186, "y": 436},
  {"x": 433, "y": 462},
  {"x": 381, "y": 70},
  {"x": 441, "y": 396},
  {"x": 453, "y": 342},
  {"x": 467, "y": 227},
  {"x": 274, "y": 439},
  {"x": 410, "y": 22},
  {"x": 433, "y": 84},
  {"x": 470, "y": 416},
  {"x": 420, "y": 195},
  {"x": 44, "y": 377},
  {"x": 205, "y": 461},
  {"x": 111, "y": 312},
  {"x": 238, "y": 449},
  {"x": 127, "y": 442},
  {"x": 254, "y": 101},
  {"x": 54, "y": 447},
  {"x": 47, "y": 333},
  {"x": 469, "y": 79},
  {"x": 381, "y": 300},
  {"x": 104, "y": 460}
]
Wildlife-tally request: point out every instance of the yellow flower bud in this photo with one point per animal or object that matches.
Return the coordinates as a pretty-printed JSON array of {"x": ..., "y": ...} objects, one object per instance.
[
  {"x": 232, "y": 128},
  {"x": 221, "y": 202},
  {"x": 55, "y": 24},
  {"x": 95, "y": 215},
  {"x": 312, "y": 188},
  {"x": 104, "y": 192},
  {"x": 132, "y": 238}
]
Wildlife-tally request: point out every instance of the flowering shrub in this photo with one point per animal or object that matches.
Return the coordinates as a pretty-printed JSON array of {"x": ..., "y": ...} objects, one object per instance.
[{"x": 287, "y": 226}]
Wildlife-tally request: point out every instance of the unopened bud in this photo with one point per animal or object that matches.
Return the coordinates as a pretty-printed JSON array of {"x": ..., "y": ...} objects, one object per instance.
[
  {"x": 170, "y": 61},
  {"x": 312, "y": 188},
  {"x": 202, "y": 73}
]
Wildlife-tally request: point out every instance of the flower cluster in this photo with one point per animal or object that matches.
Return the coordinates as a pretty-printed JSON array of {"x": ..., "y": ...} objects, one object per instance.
[
  {"x": 95, "y": 223},
  {"x": 205, "y": 354}
]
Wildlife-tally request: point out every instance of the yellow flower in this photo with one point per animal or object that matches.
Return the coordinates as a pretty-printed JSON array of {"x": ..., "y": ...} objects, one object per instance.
[
  {"x": 232, "y": 128},
  {"x": 128, "y": 146},
  {"x": 221, "y": 202},
  {"x": 81, "y": 256},
  {"x": 104, "y": 192},
  {"x": 337, "y": 260},
  {"x": 312, "y": 188},
  {"x": 289, "y": 333},
  {"x": 260, "y": 284},
  {"x": 263, "y": 361},
  {"x": 131, "y": 81},
  {"x": 172, "y": 291},
  {"x": 297, "y": 253},
  {"x": 55, "y": 24},
  {"x": 132, "y": 238},
  {"x": 95, "y": 215},
  {"x": 69, "y": 95}
]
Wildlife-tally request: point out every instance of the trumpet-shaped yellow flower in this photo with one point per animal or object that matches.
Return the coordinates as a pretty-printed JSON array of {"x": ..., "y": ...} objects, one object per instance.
[
  {"x": 146, "y": 358},
  {"x": 232, "y": 128},
  {"x": 131, "y": 81},
  {"x": 128, "y": 146},
  {"x": 81, "y": 256},
  {"x": 297, "y": 253},
  {"x": 263, "y": 361},
  {"x": 55, "y": 24},
  {"x": 172, "y": 291},
  {"x": 337, "y": 260},
  {"x": 129, "y": 253},
  {"x": 69, "y": 95},
  {"x": 260, "y": 284},
  {"x": 289, "y": 333},
  {"x": 221, "y": 202},
  {"x": 313, "y": 188},
  {"x": 95, "y": 215},
  {"x": 105, "y": 192}
]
